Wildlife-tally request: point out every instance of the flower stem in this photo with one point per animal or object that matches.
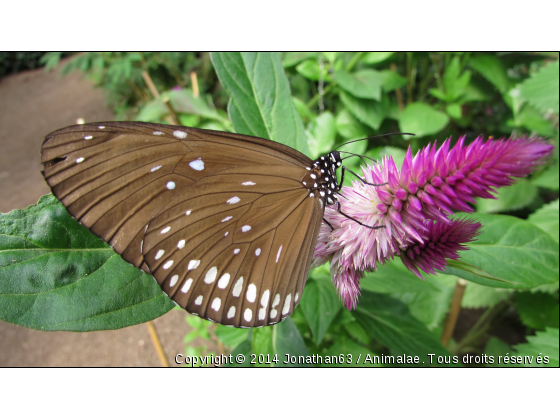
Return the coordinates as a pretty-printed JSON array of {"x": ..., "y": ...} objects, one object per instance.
[
  {"x": 454, "y": 310},
  {"x": 157, "y": 343}
]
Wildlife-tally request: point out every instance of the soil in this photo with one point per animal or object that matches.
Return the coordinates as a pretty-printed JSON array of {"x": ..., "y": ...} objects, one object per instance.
[{"x": 32, "y": 104}]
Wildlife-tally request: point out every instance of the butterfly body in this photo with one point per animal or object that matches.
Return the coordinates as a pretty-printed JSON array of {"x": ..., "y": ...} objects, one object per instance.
[{"x": 226, "y": 223}]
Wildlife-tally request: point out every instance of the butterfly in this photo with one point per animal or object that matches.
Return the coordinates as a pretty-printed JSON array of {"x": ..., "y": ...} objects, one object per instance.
[{"x": 226, "y": 223}]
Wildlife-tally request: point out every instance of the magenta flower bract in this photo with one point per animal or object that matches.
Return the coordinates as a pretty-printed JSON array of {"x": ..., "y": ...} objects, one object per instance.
[
  {"x": 440, "y": 241},
  {"x": 428, "y": 187}
]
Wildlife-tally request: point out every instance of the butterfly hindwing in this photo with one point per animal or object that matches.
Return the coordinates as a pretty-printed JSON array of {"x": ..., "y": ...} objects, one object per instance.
[{"x": 221, "y": 220}]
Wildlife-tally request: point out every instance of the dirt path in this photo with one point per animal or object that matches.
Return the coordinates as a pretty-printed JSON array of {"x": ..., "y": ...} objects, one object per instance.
[{"x": 33, "y": 104}]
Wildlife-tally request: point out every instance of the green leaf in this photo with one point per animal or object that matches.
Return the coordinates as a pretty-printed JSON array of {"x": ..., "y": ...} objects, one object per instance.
[
  {"x": 293, "y": 58},
  {"x": 349, "y": 127},
  {"x": 376, "y": 57},
  {"x": 262, "y": 343},
  {"x": 532, "y": 119},
  {"x": 364, "y": 84},
  {"x": 153, "y": 111},
  {"x": 514, "y": 197},
  {"x": 338, "y": 354},
  {"x": 391, "y": 80},
  {"x": 537, "y": 310},
  {"x": 368, "y": 111},
  {"x": 543, "y": 344},
  {"x": 513, "y": 250},
  {"x": 184, "y": 101},
  {"x": 548, "y": 178},
  {"x": 51, "y": 60},
  {"x": 231, "y": 337},
  {"x": 477, "y": 296},
  {"x": 394, "y": 277},
  {"x": 311, "y": 70},
  {"x": 55, "y": 275},
  {"x": 289, "y": 341},
  {"x": 493, "y": 70},
  {"x": 257, "y": 85},
  {"x": 320, "y": 305},
  {"x": 246, "y": 350},
  {"x": 321, "y": 135},
  {"x": 389, "y": 321},
  {"x": 421, "y": 119},
  {"x": 547, "y": 219},
  {"x": 541, "y": 89},
  {"x": 396, "y": 153},
  {"x": 496, "y": 348}
]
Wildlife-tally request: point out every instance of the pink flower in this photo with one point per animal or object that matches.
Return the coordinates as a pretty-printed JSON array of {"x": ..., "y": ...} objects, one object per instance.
[{"x": 427, "y": 188}]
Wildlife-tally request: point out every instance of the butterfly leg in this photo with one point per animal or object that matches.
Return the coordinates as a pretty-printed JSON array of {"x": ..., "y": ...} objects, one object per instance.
[
  {"x": 325, "y": 220},
  {"x": 344, "y": 168},
  {"x": 357, "y": 221}
]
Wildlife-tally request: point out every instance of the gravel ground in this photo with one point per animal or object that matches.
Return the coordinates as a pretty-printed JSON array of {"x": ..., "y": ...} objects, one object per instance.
[{"x": 33, "y": 104}]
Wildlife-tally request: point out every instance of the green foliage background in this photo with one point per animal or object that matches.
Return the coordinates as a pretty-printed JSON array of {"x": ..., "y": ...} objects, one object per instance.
[{"x": 55, "y": 275}]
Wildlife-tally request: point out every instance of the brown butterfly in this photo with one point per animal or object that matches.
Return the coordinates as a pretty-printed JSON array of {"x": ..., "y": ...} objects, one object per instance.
[{"x": 226, "y": 223}]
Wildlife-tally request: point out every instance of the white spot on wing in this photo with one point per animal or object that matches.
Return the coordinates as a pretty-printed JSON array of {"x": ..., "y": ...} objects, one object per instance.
[
  {"x": 155, "y": 168},
  {"x": 211, "y": 275},
  {"x": 188, "y": 212},
  {"x": 167, "y": 264},
  {"x": 224, "y": 281},
  {"x": 262, "y": 313},
  {"x": 276, "y": 300},
  {"x": 101, "y": 127},
  {"x": 159, "y": 254},
  {"x": 286, "y": 307},
  {"x": 227, "y": 218},
  {"x": 88, "y": 137},
  {"x": 278, "y": 255},
  {"x": 226, "y": 234},
  {"x": 180, "y": 134},
  {"x": 258, "y": 252},
  {"x": 236, "y": 251},
  {"x": 245, "y": 228},
  {"x": 157, "y": 133},
  {"x": 193, "y": 264},
  {"x": 231, "y": 312},
  {"x": 165, "y": 230},
  {"x": 216, "y": 304},
  {"x": 173, "y": 281},
  {"x": 248, "y": 183},
  {"x": 198, "y": 300},
  {"x": 264, "y": 299},
  {"x": 238, "y": 287},
  {"x": 273, "y": 313},
  {"x": 80, "y": 160},
  {"x": 248, "y": 315},
  {"x": 181, "y": 244},
  {"x": 297, "y": 297},
  {"x": 251, "y": 292},
  {"x": 234, "y": 200},
  {"x": 197, "y": 165},
  {"x": 170, "y": 185},
  {"x": 186, "y": 286}
]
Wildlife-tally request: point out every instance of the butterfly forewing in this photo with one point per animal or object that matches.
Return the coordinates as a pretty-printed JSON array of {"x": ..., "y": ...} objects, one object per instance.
[{"x": 222, "y": 221}]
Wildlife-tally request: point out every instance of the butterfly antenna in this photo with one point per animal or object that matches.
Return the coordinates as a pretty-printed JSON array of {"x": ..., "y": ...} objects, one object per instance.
[
  {"x": 360, "y": 156},
  {"x": 380, "y": 135}
]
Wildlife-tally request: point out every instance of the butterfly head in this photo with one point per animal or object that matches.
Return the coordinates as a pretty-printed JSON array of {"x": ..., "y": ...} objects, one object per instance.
[{"x": 322, "y": 181}]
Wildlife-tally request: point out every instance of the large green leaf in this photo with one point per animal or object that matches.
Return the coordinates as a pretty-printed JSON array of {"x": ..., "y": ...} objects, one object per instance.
[
  {"x": 547, "y": 219},
  {"x": 231, "y": 337},
  {"x": 514, "y": 197},
  {"x": 389, "y": 321},
  {"x": 261, "y": 103},
  {"x": 428, "y": 301},
  {"x": 364, "y": 84},
  {"x": 541, "y": 89},
  {"x": 421, "y": 119},
  {"x": 288, "y": 341},
  {"x": 320, "y": 305},
  {"x": 543, "y": 344},
  {"x": 513, "y": 250},
  {"x": 56, "y": 275},
  {"x": 368, "y": 111},
  {"x": 321, "y": 135},
  {"x": 478, "y": 296}
]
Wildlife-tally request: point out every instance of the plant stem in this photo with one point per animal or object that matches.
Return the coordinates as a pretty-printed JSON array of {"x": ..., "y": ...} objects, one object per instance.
[
  {"x": 172, "y": 118},
  {"x": 454, "y": 310},
  {"x": 398, "y": 90},
  {"x": 354, "y": 61},
  {"x": 157, "y": 344}
]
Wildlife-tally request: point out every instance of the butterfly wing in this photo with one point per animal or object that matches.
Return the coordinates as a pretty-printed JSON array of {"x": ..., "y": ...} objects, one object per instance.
[{"x": 221, "y": 220}]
